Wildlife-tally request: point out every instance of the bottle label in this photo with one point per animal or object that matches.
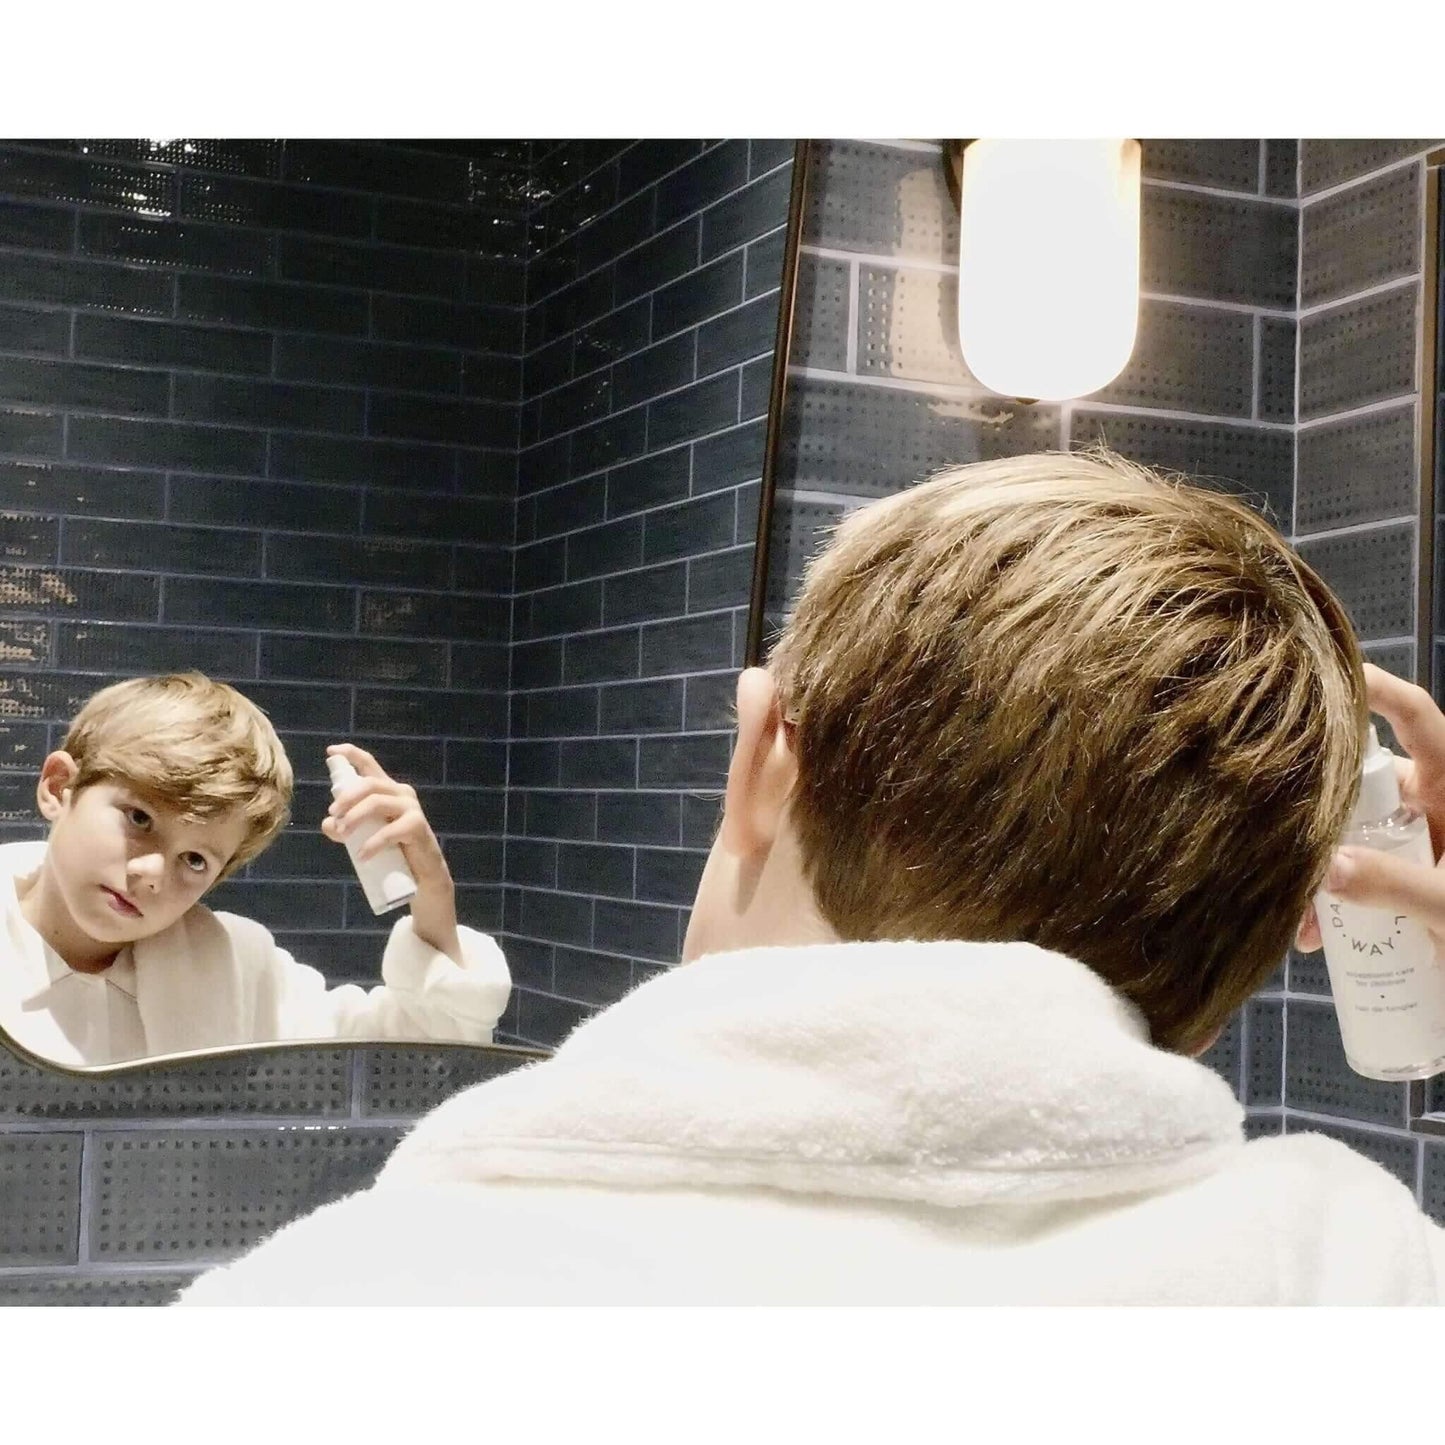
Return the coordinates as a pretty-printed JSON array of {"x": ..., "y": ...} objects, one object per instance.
[{"x": 1389, "y": 988}]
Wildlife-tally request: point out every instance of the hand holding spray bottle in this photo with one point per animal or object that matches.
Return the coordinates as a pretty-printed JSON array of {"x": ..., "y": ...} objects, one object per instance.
[
  {"x": 1388, "y": 986},
  {"x": 385, "y": 878}
]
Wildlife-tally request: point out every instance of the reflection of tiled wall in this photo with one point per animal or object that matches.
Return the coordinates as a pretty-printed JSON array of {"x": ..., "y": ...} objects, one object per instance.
[
  {"x": 1362, "y": 252},
  {"x": 120, "y": 1191},
  {"x": 652, "y": 302},
  {"x": 878, "y": 396},
  {"x": 258, "y": 416}
]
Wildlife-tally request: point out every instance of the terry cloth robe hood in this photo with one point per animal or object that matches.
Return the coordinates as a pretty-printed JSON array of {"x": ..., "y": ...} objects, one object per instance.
[{"x": 859, "y": 1122}]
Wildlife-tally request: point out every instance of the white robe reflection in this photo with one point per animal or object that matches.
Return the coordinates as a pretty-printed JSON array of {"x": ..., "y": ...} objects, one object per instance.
[{"x": 214, "y": 979}]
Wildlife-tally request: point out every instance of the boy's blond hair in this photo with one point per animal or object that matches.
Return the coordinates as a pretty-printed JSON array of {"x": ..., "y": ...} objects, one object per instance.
[
  {"x": 1063, "y": 699},
  {"x": 195, "y": 744}
]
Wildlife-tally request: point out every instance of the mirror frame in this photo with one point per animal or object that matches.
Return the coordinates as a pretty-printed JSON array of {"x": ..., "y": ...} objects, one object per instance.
[
  {"x": 1418, "y": 1107},
  {"x": 777, "y": 398}
]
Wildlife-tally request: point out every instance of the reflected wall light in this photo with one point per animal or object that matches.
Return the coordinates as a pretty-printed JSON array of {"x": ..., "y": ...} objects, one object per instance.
[{"x": 1048, "y": 262}]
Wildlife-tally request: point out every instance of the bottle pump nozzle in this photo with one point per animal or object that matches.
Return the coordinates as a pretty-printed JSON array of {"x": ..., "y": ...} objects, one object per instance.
[{"x": 1379, "y": 787}]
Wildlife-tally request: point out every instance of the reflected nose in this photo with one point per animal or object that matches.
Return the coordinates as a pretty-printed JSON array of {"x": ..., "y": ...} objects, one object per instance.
[{"x": 145, "y": 873}]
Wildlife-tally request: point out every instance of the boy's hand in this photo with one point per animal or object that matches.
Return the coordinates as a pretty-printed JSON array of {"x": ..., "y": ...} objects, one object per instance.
[
  {"x": 1369, "y": 876},
  {"x": 376, "y": 795}
]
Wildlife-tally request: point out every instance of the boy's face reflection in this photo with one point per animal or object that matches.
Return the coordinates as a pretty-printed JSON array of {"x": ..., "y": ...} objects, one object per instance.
[{"x": 121, "y": 865}]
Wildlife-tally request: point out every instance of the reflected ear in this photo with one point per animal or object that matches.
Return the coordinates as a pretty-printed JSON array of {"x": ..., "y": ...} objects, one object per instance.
[
  {"x": 57, "y": 776},
  {"x": 763, "y": 768}
]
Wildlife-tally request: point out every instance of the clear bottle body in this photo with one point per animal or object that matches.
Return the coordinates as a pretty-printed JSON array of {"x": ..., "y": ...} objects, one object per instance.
[
  {"x": 1388, "y": 987},
  {"x": 384, "y": 877}
]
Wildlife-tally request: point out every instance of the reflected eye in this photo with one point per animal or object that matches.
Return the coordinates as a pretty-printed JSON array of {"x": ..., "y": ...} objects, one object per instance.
[
  {"x": 194, "y": 862},
  {"x": 138, "y": 818}
]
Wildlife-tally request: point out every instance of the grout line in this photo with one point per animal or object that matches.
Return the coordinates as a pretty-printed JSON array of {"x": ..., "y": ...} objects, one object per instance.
[
  {"x": 1380, "y": 524},
  {"x": 1390, "y": 403},
  {"x": 87, "y": 1156},
  {"x": 1399, "y": 283},
  {"x": 1258, "y": 333},
  {"x": 850, "y": 341},
  {"x": 1341, "y": 186}
]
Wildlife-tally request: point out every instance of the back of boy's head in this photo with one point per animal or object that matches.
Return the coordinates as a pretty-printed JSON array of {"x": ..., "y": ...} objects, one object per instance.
[
  {"x": 1063, "y": 699},
  {"x": 197, "y": 745}
]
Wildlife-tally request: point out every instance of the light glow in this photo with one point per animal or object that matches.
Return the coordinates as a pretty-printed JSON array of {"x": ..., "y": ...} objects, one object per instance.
[{"x": 1048, "y": 286}]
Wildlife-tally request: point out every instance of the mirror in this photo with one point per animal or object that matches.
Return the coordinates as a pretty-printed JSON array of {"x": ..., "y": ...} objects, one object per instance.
[{"x": 447, "y": 451}]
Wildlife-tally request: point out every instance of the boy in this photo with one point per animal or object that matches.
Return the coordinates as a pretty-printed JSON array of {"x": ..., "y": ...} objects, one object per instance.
[
  {"x": 163, "y": 787},
  {"x": 1031, "y": 797}
]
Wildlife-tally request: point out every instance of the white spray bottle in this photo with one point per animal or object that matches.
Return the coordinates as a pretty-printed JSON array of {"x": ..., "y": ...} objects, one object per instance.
[
  {"x": 1389, "y": 989},
  {"x": 385, "y": 878}
]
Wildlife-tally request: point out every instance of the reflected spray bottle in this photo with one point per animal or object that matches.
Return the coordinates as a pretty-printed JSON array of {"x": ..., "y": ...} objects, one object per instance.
[
  {"x": 1389, "y": 990},
  {"x": 385, "y": 878}
]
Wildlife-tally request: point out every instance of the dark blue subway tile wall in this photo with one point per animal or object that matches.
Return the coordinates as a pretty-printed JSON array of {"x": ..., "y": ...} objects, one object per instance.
[
  {"x": 259, "y": 411},
  {"x": 652, "y": 299}
]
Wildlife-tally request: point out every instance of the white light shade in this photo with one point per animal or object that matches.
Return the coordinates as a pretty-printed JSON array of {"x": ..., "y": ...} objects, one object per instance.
[{"x": 1048, "y": 262}]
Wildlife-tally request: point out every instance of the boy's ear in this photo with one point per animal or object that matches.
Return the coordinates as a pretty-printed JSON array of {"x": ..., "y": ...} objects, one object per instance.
[
  {"x": 57, "y": 776},
  {"x": 763, "y": 768}
]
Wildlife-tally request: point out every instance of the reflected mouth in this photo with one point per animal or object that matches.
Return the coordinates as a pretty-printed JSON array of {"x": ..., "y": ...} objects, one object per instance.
[{"x": 120, "y": 902}]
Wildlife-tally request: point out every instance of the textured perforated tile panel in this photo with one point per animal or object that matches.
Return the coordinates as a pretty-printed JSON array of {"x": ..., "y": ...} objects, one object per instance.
[
  {"x": 1281, "y": 161},
  {"x": 1359, "y": 470},
  {"x": 75, "y": 1289},
  {"x": 408, "y": 1083},
  {"x": 1232, "y": 165},
  {"x": 1317, "y": 1077},
  {"x": 1308, "y": 973},
  {"x": 1264, "y": 1061},
  {"x": 1357, "y": 353},
  {"x": 1277, "y": 340},
  {"x": 1260, "y": 1126},
  {"x": 874, "y": 440},
  {"x": 1253, "y": 463},
  {"x": 1224, "y": 1056},
  {"x": 1372, "y": 573},
  {"x": 1218, "y": 247},
  {"x": 39, "y": 1194},
  {"x": 908, "y": 325},
  {"x": 289, "y": 1082},
  {"x": 800, "y": 530},
  {"x": 1433, "y": 1200},
  {"x": 206, "y": 1194},
  {"x": 890, "y": 202},
  {"x": 820, "y": 313},
  {"x": 1361, "y": 237},
  {"x": 1188, "y": 358},
  {"x": 1325, "y": 163}
]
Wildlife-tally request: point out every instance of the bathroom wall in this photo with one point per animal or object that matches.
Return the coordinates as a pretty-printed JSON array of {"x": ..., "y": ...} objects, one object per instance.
[
  {"x": 259, "y": 405},
  {"x": 1360, "y": 316},
  {"x": 652, "y": 302},
  {"x": 879, "y": 395}
]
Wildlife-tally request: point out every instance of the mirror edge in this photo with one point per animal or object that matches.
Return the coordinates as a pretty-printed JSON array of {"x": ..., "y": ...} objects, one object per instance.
[
  {"x": 227, "y": 1052},
  {"x": 782, "y": 350}
]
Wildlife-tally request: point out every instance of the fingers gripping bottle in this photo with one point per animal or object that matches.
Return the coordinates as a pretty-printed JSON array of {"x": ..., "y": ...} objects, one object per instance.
[
  {"x": 1389, "y": 989},
  {"x": 385, "y": 878}
]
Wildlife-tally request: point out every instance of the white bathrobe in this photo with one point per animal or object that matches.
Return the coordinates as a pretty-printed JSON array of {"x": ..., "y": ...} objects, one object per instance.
[
  {"x": 885, "y": 1123},
  {"x": 214, "y": 979}
]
